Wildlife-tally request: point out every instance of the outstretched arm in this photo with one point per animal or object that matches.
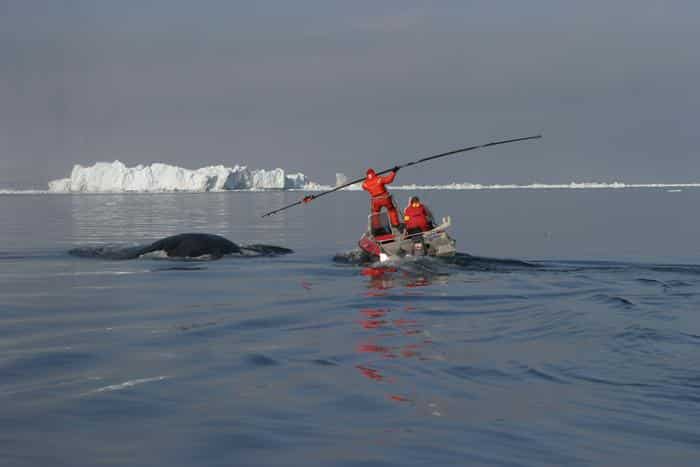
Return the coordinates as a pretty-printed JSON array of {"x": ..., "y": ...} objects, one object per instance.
[{"x": 387, "y": 179}]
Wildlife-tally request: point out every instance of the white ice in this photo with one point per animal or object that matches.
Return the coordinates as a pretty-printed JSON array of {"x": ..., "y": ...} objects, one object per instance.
[{"x": 115, "y": 176}]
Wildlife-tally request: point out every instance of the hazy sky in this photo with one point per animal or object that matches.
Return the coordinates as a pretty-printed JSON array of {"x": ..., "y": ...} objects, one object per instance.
[{"x": 330, "y": 86}]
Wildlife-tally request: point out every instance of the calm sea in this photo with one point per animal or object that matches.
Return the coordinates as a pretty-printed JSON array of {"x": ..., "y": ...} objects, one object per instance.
[{"x": 590, "y": 356}]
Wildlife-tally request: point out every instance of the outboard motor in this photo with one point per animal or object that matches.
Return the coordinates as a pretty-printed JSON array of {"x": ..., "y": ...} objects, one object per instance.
[{"x": 419, "y": 248}]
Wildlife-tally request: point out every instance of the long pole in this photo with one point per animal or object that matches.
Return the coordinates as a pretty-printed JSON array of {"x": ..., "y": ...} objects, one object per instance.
[{"x": 309, "y": 198}]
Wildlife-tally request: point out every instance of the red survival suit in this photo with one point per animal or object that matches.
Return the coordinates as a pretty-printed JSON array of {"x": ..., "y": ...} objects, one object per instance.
[
  {"x": 374, "y": 184},
  {"x": 417, "y": 217}
]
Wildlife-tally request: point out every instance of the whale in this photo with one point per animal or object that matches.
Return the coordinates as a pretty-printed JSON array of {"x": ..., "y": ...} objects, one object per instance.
[
  {"x": 193, "y": 245},
  {"x": 185, "y": 245}
]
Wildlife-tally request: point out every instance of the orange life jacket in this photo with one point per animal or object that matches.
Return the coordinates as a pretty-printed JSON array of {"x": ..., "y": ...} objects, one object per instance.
[
  {"x": 375, "y": 185},
  {"x": 416, "y": 217}
]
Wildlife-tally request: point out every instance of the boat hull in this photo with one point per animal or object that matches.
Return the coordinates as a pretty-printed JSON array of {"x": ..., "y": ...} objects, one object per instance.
[{"x": 435, "y": 242}]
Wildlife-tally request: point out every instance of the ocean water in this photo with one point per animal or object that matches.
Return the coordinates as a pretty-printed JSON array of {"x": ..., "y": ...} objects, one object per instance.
[{"x": 586, "y": 354}]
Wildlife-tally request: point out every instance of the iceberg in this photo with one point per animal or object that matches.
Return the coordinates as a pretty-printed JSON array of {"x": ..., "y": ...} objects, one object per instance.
[
  {"x": 277, "y": 179},
  {"x": 340, "y": 179},
  {"x": 116, "y": 177},
  {"x": 296, "y": 181}
]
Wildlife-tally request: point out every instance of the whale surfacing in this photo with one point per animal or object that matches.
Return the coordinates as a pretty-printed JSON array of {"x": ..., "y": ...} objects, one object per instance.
[
  {"x": 193, "y": 245},
  {"x": 186, "y": 245}
]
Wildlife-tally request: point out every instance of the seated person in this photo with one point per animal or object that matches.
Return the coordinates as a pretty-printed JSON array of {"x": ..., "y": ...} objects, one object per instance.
[{"x": 417, "y": 217}]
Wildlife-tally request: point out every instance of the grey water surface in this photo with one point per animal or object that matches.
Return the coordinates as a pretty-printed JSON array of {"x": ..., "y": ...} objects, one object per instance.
[{"x": 589, "y": 355}]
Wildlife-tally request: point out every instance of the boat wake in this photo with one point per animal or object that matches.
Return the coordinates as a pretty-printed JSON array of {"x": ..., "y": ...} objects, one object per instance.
[{"x": 461, "y": 261}]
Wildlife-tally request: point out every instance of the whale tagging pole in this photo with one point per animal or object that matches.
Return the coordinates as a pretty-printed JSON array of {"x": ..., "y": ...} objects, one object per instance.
[{"x": 309, "y": 198}]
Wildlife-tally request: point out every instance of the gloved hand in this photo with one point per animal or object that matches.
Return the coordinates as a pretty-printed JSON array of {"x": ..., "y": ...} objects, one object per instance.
[
  {"x": 396, "y": 168},
  {"x": 308, "y": 199}
]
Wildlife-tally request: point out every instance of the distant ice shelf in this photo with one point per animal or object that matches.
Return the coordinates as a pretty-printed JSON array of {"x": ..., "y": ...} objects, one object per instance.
[
  {"x": 547, "y": 186},
  {"x": 531, "y": 186},
  {"x": 22, "y": 192}
]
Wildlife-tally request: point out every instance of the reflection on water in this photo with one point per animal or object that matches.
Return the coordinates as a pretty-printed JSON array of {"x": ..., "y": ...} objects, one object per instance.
[
  {"x": 407, "y": 275},
  {"x": 131, "y": 217},
  {"x": 393, "y": 335}
]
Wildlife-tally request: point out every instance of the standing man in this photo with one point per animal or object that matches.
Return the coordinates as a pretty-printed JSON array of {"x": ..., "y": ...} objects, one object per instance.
[{"x": 375, "y": 185}]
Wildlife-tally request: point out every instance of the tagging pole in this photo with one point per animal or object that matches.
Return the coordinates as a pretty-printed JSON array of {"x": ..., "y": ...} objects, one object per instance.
[{"x": 309, "y": 198}]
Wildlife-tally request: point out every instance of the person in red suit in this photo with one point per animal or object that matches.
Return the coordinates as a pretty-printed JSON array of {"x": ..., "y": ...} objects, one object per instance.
[
  {"x": 417, "y": 216},
  {"x": 375, "y": 185}
]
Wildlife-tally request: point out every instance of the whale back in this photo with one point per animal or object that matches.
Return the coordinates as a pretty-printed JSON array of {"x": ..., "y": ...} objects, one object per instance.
[
  {"x": 193, "y": 245},
  {"x": 187, "y": 245}
]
